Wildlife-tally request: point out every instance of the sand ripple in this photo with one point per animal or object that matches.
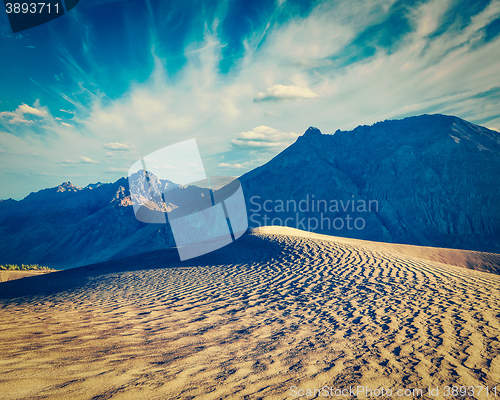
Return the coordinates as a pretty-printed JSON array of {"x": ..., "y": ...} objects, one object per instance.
[{"x": 249, "y": 321}]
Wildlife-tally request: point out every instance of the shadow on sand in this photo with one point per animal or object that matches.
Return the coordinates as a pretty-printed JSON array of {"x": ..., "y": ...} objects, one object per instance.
[{"x": 246, "y": 250}]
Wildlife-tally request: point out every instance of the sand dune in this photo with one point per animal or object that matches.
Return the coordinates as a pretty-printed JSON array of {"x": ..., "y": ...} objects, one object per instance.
[
  {"x": 13, "y": 275},
  {"x": 476, "y": 260},
  {"x": 275, "y": 309}
]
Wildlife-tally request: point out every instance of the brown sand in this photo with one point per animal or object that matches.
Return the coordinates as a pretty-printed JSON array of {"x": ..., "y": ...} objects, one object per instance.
[
  {"x": 270, "y": 311},
  {"x": 13, "y": 275},
  {"x": 478, "y": 261}
]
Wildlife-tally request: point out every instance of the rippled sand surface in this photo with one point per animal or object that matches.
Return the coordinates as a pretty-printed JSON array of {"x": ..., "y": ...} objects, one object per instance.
[{"x": 271, "y": 311}]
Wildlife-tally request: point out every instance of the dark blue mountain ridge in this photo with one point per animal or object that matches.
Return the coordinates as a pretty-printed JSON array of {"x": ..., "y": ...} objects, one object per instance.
[{"x": 434, "y": 178}]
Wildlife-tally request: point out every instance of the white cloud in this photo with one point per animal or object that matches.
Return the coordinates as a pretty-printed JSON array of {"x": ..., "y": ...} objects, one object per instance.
[
  {"x": 17, "y": 119},
  {"x": 117, "y": 146},
  {"x": 117, "y": 169},
  {"x": 25, "y": 109},
  {"x": 81, "y": 160},
  {"x": 263, "y": 137},
  {"x": 252, "y": 144},
  {"x": 68, "y": 125},
  {"x": 427, "y": 17},
  {"x": 19, "y": 115},
  {"x": 87, "y": 160},
  {"x": 235, "y": 165},
  {"x": 281, "y": 92}
]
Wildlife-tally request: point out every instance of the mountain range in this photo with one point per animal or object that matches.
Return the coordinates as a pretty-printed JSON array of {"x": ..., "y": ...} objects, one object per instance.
[
  {"x": 432, "y": 180},
  {"x": 429, "y": 180}
]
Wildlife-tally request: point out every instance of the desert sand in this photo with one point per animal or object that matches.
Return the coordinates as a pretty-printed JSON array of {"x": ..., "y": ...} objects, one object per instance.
[
  {"x": 13, "y": 275},
  {"x": 278, "y": 308}
]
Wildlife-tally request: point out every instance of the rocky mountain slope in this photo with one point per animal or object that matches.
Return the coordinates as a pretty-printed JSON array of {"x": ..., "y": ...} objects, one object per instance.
[
  {"x": 430, "y": 180},
  {"x": 68, "y": 226}
]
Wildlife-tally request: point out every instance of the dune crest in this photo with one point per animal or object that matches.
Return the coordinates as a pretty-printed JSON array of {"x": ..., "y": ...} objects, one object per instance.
[{"x": 475, "y": 260}]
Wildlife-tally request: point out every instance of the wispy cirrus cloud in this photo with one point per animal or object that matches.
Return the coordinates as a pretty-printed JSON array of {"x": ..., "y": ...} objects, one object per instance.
[{"x": 67, "y": 111}]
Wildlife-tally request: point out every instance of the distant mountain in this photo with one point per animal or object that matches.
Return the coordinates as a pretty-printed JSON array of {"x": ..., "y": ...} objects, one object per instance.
[
  {"x": 69, "y": 226},
  {"x": 430, "y": 180}
]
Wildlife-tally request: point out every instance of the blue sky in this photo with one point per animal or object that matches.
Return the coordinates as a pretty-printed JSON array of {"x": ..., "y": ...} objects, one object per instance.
[{"x": 86, "y": 95}]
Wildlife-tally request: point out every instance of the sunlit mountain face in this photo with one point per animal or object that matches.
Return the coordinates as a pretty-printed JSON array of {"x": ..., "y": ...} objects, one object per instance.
[{"x": 86, "y": 95}]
